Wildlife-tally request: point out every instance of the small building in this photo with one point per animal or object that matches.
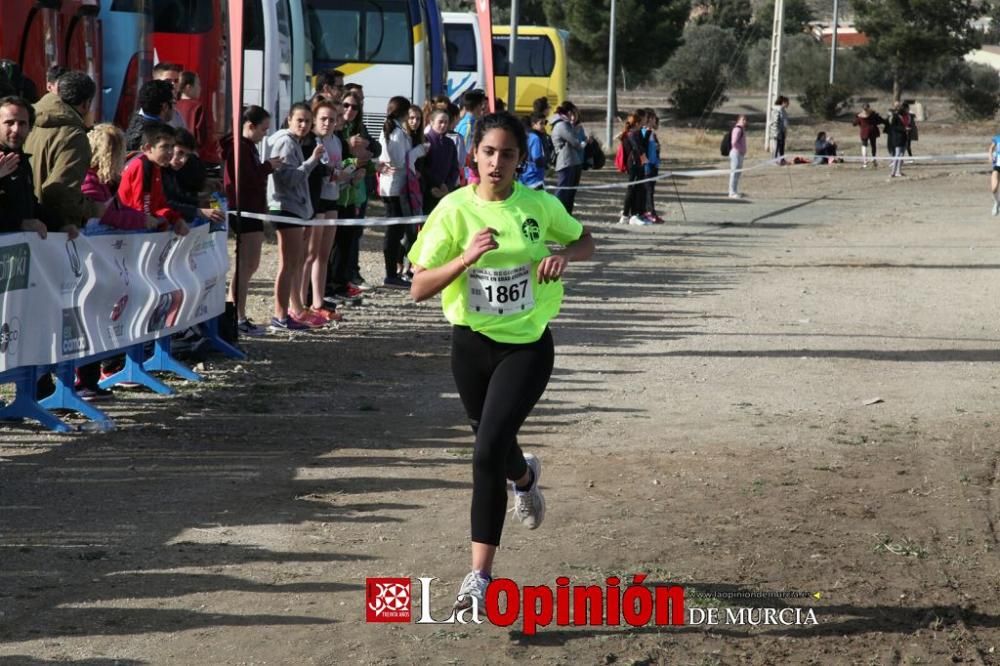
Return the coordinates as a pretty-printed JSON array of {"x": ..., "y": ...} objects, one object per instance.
[{"x": 848, "y": 36}]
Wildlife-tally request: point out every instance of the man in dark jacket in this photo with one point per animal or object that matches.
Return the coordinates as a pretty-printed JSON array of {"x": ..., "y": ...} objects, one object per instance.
[
  {"x": 19, "y": 208},
  {"x": 156, "y": 105},
  {"x": 61, "y": 150}
]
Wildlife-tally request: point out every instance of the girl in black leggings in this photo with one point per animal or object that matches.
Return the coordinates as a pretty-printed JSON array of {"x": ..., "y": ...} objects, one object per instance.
[{"x": 484, "y": 249}]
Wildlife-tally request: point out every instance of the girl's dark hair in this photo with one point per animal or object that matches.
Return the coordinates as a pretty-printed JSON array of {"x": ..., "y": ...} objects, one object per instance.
[
  {"x": 634, "y": 121},
  {"x": 299, "y": 106},
  {"x": 821, "y": 136},
  {"x": 567, "y": 108},
  {"x": 502, "y": 121},
  {"x": 398, "y": 107},
  {"x": 185, "y": 139},
  {"x": 187, "y": 79},
  {"x": 254, "y": 115}
]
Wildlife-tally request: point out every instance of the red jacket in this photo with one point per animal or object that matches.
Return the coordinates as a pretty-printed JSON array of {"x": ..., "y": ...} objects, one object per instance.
[
  {"x": 253, "y": 176},
  {"x": 117, "y": 215},
  {"x": 142, "y": 188},
  {"x": 200, "y": 125}
]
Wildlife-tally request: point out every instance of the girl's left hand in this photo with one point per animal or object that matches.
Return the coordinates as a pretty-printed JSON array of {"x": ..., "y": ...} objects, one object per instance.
[{"x": 552, "y": 267}]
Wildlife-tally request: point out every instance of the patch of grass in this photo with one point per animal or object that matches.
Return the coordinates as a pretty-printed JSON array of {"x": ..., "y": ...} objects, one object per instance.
[
  {"x": 757, "y": 486},
  {"x": 904, "y": 547}
]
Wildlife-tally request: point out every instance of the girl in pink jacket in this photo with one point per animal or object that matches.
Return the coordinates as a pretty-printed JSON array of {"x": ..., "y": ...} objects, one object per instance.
[{"x": 107, "y": 147}]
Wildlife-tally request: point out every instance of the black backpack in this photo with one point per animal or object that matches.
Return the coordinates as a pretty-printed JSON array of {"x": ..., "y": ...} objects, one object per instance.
[
  {"x": 593, "y": 155},
  {"x": 727, "y": 143}
]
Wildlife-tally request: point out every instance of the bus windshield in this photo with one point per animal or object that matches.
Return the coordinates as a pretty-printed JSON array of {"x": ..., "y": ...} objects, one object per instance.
[
  {"x": 367, "y": 31},
  {"x": 182, "y": 16},
  {"x": 130, "y": 6},
  {"x": 535, "y": 55},
  {"x": 461, "y": 43}
]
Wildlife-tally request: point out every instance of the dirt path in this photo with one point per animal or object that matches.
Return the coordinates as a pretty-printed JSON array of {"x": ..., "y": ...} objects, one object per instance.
[{"x": 706, "y": 425}]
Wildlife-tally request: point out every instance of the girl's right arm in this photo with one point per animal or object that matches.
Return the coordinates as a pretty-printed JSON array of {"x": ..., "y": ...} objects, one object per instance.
[{"x": 428, "y": 282}]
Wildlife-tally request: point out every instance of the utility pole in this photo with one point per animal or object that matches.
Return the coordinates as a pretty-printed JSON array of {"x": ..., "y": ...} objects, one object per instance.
[
  {"x": 612, "y": 102},
  {"x": 833, "y": 43},
  {"x": 774, "y": 77},
  {"x": 511, "y": 70}
]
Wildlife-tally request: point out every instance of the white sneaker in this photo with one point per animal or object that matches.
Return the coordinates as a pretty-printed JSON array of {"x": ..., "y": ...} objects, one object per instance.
[
  {"x": 638, "y": 221},
  {"x": 474, "y": 586},
  {"x": 623, "y": 219},
  {"x": 735, "y": 195},
  {"x": 996, "y": 208},
  {"x": 529, "y": 506}
]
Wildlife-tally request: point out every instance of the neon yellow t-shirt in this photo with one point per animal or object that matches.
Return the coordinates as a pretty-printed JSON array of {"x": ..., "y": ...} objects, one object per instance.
[{"x": 513, "y": 307}]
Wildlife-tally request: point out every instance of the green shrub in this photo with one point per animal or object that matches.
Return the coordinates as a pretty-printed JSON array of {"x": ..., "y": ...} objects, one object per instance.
[
  {"x": 826, "y": 101},
  {"x": 700, "y": 70},
  {"x": 977, "y": 97}
]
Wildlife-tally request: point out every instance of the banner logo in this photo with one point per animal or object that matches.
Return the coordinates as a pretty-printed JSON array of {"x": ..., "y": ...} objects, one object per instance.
[
  {"x": 15, "y": 264},
  {"x": 9, "y": 333},
  {"x": 74, "y": 338},
  {"x": 388, "y": 600},
  {"x": 74, "y": 258}
]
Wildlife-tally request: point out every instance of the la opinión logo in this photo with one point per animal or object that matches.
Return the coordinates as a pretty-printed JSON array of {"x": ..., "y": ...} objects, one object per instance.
[{"x": 389, "y": 600}]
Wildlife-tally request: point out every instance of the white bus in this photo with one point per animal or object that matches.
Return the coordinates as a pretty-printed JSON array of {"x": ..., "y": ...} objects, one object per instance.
[{"x": 464, "y": 46}]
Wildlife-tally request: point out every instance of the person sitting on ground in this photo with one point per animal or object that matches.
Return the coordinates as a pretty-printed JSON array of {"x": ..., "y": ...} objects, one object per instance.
[
  {"x": 156, "y": 105},
  {"x": 825, "y": 151},
  {"x": 141, "y": 185}
]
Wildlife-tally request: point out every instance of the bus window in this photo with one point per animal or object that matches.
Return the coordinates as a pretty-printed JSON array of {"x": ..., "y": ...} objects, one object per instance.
[
  {"x": 461, "y": 41},
  {"x": 368, "y": 31},
  {"x": 182, "y": 16},
  {"x": 253, "y": 26},
  {"x": 535, "y": 55}
]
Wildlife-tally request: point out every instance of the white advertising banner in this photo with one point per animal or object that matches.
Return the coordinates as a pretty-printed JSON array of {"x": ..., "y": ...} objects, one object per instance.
[{"x": 64, "y": 299}]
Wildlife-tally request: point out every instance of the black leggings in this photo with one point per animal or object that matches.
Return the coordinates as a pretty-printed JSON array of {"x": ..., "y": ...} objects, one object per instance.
[
  {"x": 393, "y": 249},
  {"x": 499, "y": 385},
  {"x": 635, "y": 195},
  {"x": 871, "y": 142}
]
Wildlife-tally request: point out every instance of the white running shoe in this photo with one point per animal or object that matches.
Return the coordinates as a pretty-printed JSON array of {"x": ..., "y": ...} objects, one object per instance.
[
  {"x": 638, "y": 221},
  {"x": 529, "y": 506},
  {"x": 474, "y": 586},
  {"x": 996, "y": 208}
]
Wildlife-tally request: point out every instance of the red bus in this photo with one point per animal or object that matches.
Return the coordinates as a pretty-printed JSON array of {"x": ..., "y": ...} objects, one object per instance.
[
  {"x": 81, "y": 43},
  {"x": 191, "y": 33},
  {"x": 29, "y": 35}
]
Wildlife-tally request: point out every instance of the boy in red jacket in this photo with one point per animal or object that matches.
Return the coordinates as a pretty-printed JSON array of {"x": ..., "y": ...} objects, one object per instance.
[{"x": 142, "y": 182}]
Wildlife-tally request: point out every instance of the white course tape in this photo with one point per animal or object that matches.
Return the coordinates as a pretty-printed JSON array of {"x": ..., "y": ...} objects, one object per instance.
[
  {"x": 356, "y": 222},
  {"x": 714, "y": 172}
]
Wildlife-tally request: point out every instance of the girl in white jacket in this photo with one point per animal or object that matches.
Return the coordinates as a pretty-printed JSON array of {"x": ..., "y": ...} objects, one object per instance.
[{"x": 396, "y": 145}]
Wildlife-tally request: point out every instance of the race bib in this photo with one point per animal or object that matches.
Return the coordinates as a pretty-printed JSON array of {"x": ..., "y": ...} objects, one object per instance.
[{"x": 500, "y": 291}]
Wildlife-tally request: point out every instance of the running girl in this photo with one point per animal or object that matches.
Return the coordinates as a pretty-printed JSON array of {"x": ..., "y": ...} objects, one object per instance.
[
  {"x": 995, "y": 174},
  {"x": 484, "y": 250}
]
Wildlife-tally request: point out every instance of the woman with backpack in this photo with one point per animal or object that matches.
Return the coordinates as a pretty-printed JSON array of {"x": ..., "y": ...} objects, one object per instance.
[
  {"x": 737, "y": 151},
  {"x": 569, "y": 140},
  {"x": 632, "y": 160}
]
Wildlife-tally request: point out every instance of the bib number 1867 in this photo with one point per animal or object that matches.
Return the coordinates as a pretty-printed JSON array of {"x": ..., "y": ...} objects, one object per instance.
[{"x": 500, "y": 291}]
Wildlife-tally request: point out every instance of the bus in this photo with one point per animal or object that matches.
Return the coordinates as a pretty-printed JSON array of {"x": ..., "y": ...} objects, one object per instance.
[
  {"x": 29, "y": 36},
  {"x": 541, "y": 65},
  {"x": 464, "y": 46},
  {"x": 126, "y": 45},
  {"x": 81, "y": 42},
  {"x": 277, "y": 55},
  {"x": 390, "y": 47},
  {"x": 191, "y": 33}
]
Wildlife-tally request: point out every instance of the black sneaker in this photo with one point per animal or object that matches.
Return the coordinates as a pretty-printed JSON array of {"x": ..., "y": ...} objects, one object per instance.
[
  {"x": 396, "y": 282},
  {"x": 95, "y": 394}
]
